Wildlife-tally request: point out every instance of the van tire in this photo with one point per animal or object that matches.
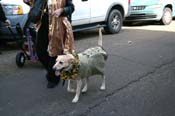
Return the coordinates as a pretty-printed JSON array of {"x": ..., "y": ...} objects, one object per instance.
[
  {"x": 114, "y": 22},
  {"x": 167, "y": 16}
]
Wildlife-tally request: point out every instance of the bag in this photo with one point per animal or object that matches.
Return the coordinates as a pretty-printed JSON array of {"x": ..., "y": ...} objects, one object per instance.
[{"x": 37, "y": 11}]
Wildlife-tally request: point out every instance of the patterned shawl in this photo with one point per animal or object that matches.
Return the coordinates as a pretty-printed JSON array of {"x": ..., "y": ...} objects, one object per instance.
[{"x": 61, "y": 37}]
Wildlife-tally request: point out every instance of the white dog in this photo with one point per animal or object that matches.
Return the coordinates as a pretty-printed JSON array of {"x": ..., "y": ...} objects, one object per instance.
[{"x": 81, "y": 66}]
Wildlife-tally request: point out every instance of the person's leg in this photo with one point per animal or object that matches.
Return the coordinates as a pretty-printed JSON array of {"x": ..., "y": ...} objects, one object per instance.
[
  {"x": 42, "y": 53},
  {"x": 42, "y": 45},
  {"x": 41, "y": 50},
  {"x": 52, "y": 79},
  {"x": 47, "y": 61}
]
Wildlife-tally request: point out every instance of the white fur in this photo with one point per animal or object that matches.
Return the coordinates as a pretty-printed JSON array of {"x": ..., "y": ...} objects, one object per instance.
[{"x": 100, "y": 42}]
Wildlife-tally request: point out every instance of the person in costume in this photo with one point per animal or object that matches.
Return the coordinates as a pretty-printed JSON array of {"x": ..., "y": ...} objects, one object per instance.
[{"x": 55, "y": 35}]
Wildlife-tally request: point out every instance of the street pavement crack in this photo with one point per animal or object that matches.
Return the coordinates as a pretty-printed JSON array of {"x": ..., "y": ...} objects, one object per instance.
[{"x": 107, "y": 96}]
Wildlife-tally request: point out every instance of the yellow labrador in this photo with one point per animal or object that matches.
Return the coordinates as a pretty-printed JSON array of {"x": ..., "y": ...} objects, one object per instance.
[{"x": 81, "y": 66}]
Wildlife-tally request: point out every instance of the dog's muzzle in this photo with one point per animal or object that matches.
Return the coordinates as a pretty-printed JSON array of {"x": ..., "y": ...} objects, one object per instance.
[{"x": 58, "y": 71}]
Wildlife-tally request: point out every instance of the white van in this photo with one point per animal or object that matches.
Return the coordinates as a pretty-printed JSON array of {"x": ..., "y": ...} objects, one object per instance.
[
  {"x": 162, "y": 11},
  {"x": 108, "y": 13}
]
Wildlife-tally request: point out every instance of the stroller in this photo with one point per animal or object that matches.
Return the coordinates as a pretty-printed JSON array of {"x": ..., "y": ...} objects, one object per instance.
[
  {"x": 29, "y": 33},
  {"x": 26, "y": 44}
]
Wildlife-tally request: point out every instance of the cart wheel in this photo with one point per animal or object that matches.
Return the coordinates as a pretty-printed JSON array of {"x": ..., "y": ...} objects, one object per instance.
[{"x": 20, "y": 59}]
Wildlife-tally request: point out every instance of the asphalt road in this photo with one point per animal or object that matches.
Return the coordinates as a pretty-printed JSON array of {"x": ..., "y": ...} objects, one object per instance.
[{"x": 140, "y": 78}]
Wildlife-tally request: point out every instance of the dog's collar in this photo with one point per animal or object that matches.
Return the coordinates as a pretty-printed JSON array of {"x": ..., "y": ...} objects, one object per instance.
[{"x": 72, "y": 73}]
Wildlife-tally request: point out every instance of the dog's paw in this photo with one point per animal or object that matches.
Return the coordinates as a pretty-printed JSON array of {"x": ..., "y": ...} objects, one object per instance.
[
  {"x": 84, "y": 90},
  {"x": 102, "y": 88},
  {"x": 71, "y": 90},
  {"x": 75, "y": 100}
]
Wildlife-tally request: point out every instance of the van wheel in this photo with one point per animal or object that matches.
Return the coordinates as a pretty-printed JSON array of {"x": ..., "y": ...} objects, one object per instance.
[
  {"x": 114, "y": 22},
  {"x": 167, "y": 16}
]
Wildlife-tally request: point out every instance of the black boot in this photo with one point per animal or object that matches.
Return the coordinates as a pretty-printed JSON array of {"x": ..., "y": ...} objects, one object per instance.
[
  {"x": 53, "y": 81},
  {"x": 51, "y": 85}
]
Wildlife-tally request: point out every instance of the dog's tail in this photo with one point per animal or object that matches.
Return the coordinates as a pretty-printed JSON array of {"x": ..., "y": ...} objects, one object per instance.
[{"x": 100, "y": 41}]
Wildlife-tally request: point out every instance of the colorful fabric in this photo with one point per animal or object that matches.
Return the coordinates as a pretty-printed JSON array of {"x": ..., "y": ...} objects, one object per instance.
[
  {"x": 60, "y": 31},
  {"x": 72, "y": 71}
]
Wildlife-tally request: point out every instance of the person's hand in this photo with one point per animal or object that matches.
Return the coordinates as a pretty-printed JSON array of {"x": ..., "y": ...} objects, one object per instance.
[
  {"x": 57, "y": 12},
  {"x": 26, "y": 0},
  {"x": 7, "y": 23},
  {"x": 29, "y": 2}
]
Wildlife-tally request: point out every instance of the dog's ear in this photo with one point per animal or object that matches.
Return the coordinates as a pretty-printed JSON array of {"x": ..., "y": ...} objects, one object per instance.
[
  {"x": 71, "y": 61},
  {"x": 71, "y": 58}
]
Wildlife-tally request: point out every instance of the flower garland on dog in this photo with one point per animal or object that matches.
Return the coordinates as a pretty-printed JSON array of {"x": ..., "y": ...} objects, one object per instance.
[{"x": 72, "y": 73}]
